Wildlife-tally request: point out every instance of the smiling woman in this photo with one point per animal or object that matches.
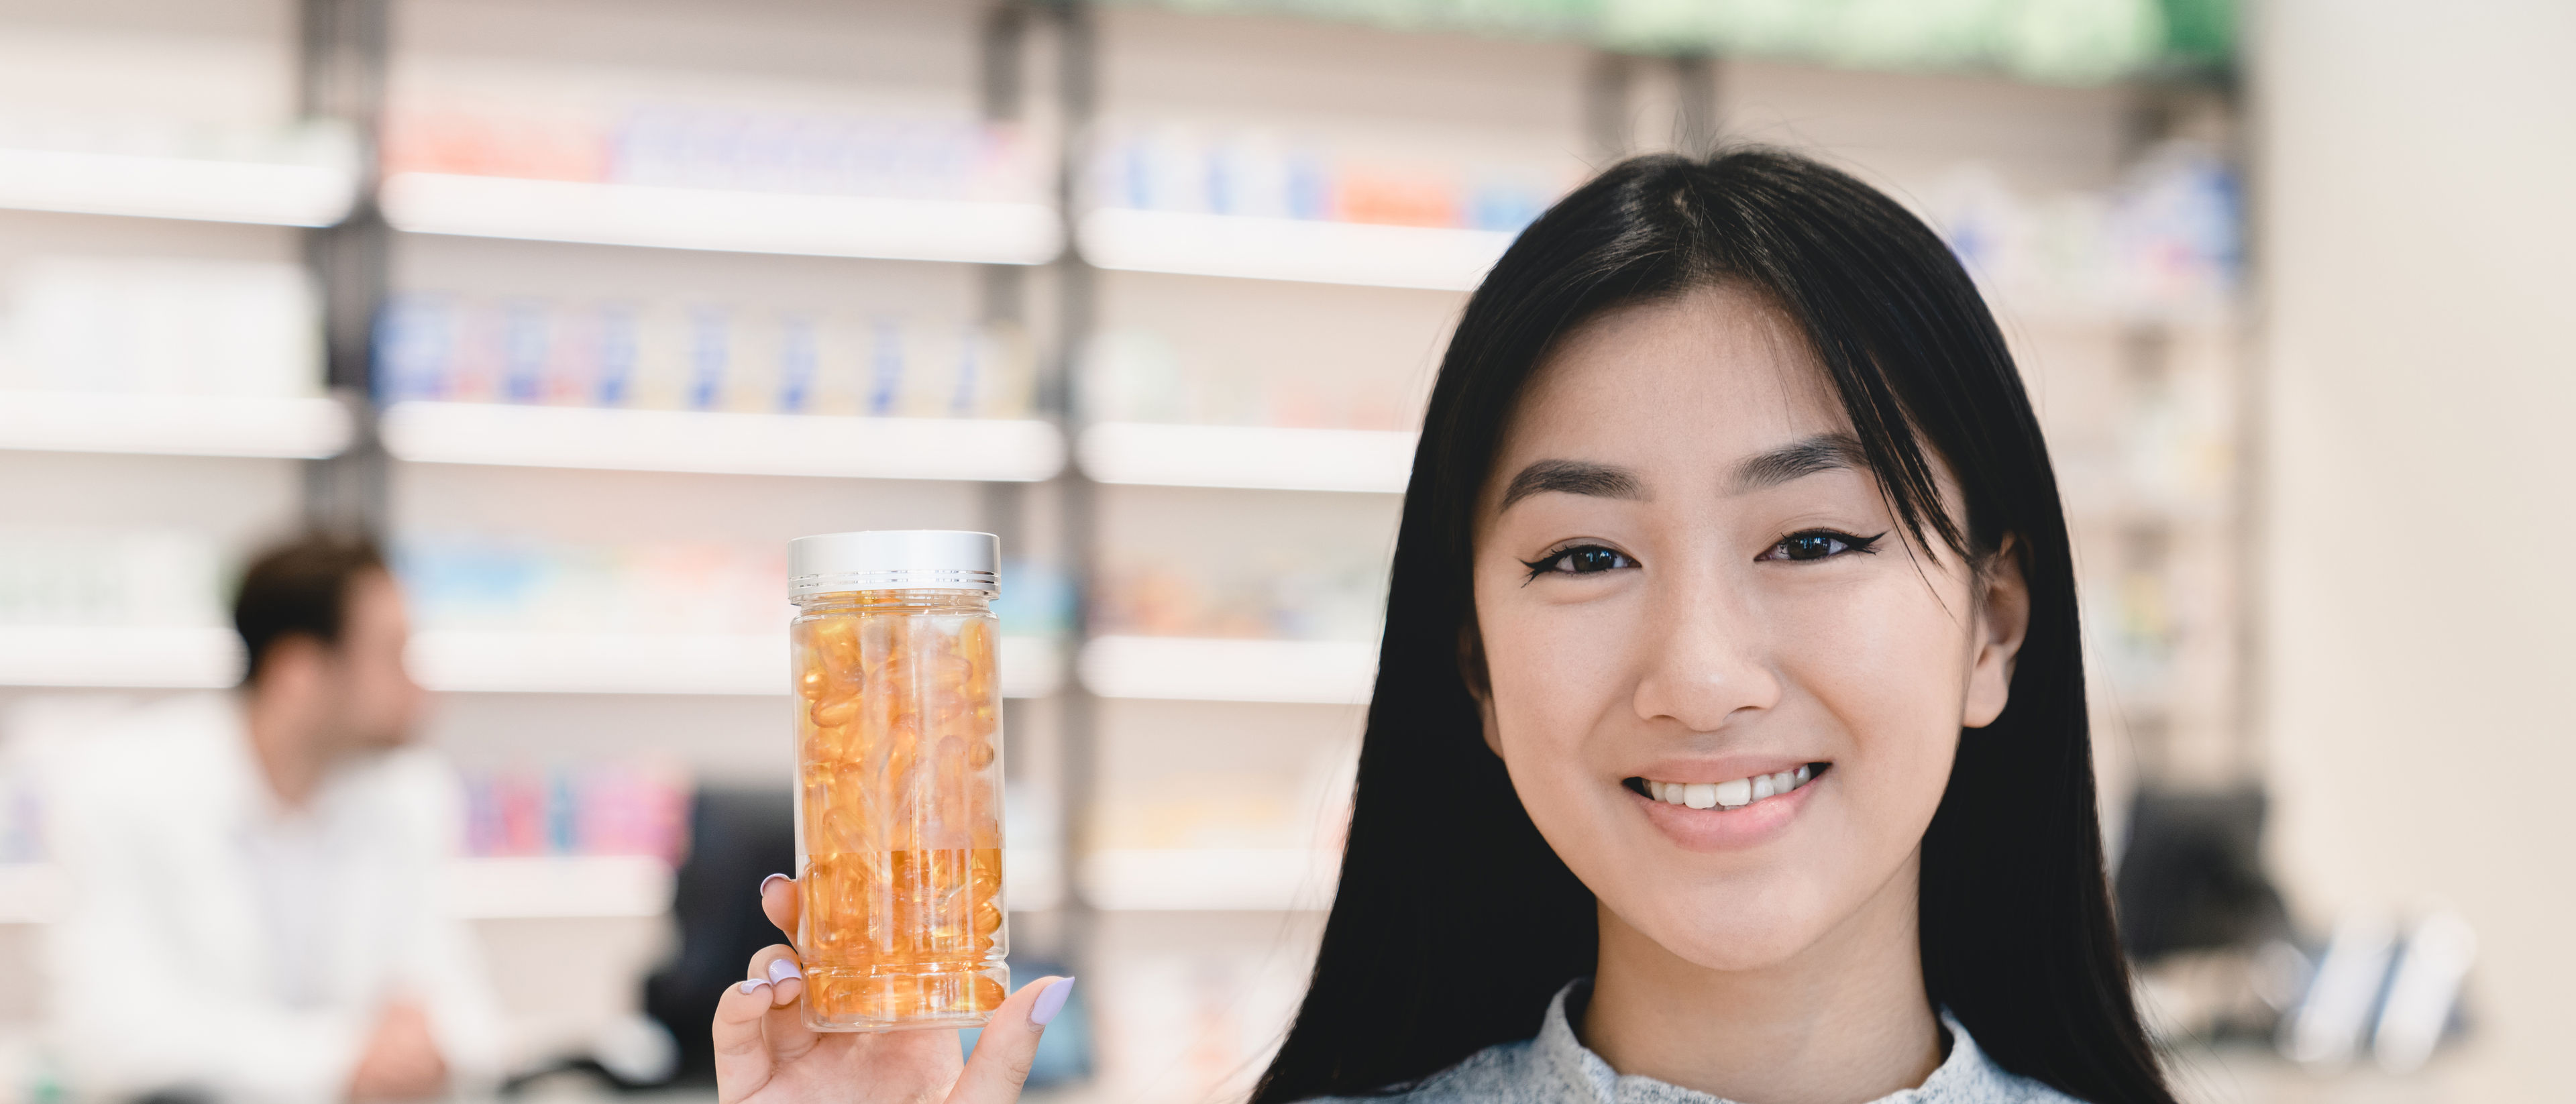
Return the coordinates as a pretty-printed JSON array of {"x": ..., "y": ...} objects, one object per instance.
[{"x": 1729, "y": 733}]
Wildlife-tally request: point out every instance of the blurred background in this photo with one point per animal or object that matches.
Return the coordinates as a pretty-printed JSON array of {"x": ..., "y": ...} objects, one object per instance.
[{"x": 586, "y": 307}]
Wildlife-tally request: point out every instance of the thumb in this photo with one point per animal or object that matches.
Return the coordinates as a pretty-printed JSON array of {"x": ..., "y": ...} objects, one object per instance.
[{"x": 1009, "y": 1043}]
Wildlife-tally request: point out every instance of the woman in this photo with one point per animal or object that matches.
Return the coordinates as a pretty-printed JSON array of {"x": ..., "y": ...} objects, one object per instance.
[{"x": 1729, "y": 733}]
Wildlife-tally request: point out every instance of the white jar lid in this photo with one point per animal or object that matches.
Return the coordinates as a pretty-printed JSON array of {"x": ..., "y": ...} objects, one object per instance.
[{"x": 893, "y": 559}]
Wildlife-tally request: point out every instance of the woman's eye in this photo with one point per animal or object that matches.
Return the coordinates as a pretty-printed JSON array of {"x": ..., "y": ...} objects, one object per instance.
[
  {"x": 1590, "y": 559},
  {"x": 1817, "y": 544}
]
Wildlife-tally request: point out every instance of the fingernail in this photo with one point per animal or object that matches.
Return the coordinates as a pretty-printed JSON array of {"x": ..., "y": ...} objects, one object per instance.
[
  {"x": 781, "y": 969},
  {"x": 1050, "y": 1002},
  {"x": 764, "y": 883},
  {"x": 753, "y": 986}
]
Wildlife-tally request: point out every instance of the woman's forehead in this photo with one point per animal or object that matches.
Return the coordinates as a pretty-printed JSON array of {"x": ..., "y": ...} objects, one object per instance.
[{"x": 1718, "y": 371}]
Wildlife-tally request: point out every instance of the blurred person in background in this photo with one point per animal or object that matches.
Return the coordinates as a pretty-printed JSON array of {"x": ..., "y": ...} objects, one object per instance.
[{"x": 253, "y": 912}]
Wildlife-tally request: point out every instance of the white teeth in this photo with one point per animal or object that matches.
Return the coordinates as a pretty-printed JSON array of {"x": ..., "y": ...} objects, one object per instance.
[{"x": 1731, "y": 795}]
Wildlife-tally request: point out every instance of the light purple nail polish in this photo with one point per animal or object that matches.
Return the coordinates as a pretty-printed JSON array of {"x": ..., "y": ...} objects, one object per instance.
[
  {"x": 753, "y": 985},
  {"x": 764, "y": 883},
  {"x": 781, "y": 969},
  {"x": 1050, "y": 1002}
]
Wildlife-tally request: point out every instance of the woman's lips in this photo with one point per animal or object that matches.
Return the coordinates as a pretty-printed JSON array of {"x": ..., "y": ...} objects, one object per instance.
[{"x": 1735, "y": 813}]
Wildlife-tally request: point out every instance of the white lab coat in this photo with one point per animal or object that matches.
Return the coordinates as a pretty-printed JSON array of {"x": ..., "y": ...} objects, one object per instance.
[{"x": 188, "y": 953}]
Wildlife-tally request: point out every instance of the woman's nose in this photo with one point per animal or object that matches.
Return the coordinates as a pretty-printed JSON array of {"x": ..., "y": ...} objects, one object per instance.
[{"x": 1704, "y": 661}]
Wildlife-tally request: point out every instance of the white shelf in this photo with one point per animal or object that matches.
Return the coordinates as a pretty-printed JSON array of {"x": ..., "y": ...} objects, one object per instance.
[
  {"x": 466, "y": 661},
  {"x": 558, "y": 886},
  {"x": 175, "y": 425},
  {"x": 1326, "y": 672},
  {"x": 1261, "y": 457},
  {"x": 119, "y": 656},
  {"x": 174, "y": 187},
  {"x": 1004, "y": 450},
  {"x": 1307, "y": 250},
  {"x": 739, "y": 222},
  {"x": 666, "y": 663},
  {"x": 1211, "y": 879},
  {"x": 477, "y": 889},
  {"x": 1032, "y": 878}
]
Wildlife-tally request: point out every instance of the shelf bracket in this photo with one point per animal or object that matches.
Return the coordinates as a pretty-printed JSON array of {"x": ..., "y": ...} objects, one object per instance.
[{"x": 344, "y": 54}]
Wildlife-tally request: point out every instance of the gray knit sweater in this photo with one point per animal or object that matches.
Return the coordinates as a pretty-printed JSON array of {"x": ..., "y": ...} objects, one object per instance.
[{"x": 1556, "y": 1068}]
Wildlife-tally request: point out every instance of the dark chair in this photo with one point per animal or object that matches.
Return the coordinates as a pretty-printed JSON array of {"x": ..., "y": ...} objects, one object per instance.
[
  {"x": 2191, "y": 875},
  {"x": 736, "y": 838}
]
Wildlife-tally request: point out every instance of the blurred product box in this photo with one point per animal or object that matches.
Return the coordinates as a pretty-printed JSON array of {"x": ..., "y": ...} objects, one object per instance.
[
  {"x": 317, "y": 143},
  {"x": 1134, "y": 374},
  {"x": 159, "y": 578},
  {"x": 161, "y": 326},
  {"x": 720, "y": 148},
  {"x": 466, "y": 582},
  {"x": 587, "y": 809},
  {"x": 2165, "y": 243},
  {"x": 1036, "y": 599},
  {"x": 22, "y": 820},
  {"x": 483, "y": 583},
  {"x": 699, "y": 356},
  {"x": 1308, "y": 595},
  {"x": 1260, "y": 174}
]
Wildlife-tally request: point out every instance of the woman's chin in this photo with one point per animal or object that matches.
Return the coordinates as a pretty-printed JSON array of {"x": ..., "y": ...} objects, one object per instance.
[{"x": 1717, "y": 928}]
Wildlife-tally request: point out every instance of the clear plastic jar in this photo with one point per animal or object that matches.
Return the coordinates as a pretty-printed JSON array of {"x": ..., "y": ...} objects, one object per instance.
[{"x": 899, "y": 765}]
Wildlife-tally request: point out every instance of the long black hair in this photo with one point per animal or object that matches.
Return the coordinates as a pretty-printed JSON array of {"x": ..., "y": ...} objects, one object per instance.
[{"x": 1455, "y": 923}]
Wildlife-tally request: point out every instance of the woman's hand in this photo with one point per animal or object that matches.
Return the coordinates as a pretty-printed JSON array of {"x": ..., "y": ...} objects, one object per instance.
[{"x": 765, "y": 1053}]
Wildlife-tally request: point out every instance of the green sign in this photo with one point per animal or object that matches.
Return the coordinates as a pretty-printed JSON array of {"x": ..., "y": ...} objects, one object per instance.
[{"x": 2055, "y": 41}]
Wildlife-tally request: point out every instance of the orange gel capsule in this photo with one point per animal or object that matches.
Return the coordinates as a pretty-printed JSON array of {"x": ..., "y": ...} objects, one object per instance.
[{"x": 835, "y": 712}]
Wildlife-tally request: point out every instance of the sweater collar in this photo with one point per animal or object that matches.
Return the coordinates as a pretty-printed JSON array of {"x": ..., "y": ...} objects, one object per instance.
[{"x": 1577, "y": 1074}]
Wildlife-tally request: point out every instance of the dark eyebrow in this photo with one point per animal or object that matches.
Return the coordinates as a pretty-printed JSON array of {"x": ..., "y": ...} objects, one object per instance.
[
  {"x": 1822, "y": 452},
  {"x": 1572, "y": 477}
]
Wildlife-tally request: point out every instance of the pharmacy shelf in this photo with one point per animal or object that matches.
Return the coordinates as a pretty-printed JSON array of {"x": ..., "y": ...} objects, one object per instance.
[
  {"x": 119, "y": 656},
  {"x": 1006, "y": 450},
  {"x": 1324, "y": 672},
  {"x": 469, "y": 661},
  {"x": 1260, "y": 457},
  {"x": 476, "y": 889},
  {"x": 1032, "y": 878},
  {"x": 1306, "y": 250},
  {"x": 557, "y": 886},
  {"x": 177, "y": 425},
  {"x": 970, "y": 232},
  {"x": 461, "y": 661},
  {"x": 1210, "y": 879},
  {"x": 175, "y": 187}
]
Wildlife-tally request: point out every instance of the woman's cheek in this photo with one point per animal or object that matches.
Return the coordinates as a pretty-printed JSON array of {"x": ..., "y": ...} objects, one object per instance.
[
  {"x": 1557, "y": 666},
  {"x": 1556, "y": 676},
  {"x": 1891, "y": 669}
]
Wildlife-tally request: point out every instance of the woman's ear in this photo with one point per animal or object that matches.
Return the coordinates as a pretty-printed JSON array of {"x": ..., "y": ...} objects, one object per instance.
[
  {"x": 2003, "y": 620},
  {"x": 1471, "y": 670}
]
